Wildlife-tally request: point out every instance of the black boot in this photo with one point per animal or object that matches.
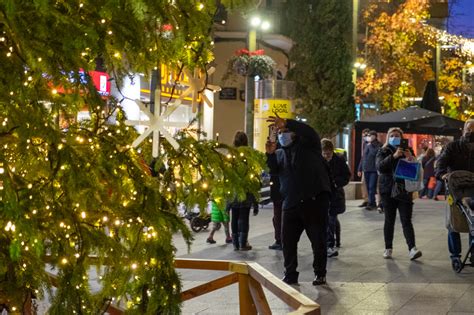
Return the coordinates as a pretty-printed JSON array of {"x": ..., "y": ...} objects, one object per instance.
[
  {"x": 319, "y": 280},
  {"x": 244, "y": 244},
  {"x": 235, "y": 241},
  {"x": 291, "y": 278}
]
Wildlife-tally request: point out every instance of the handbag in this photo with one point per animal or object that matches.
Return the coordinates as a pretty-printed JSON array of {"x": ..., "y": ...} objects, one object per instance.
[
  {"x": 431, "y": 183},
  {"x": 408, "y": 170},
  {"x": 415, "y": 185}
]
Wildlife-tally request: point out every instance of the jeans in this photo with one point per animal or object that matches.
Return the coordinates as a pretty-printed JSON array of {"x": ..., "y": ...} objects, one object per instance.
[
  {"x": 240, "y": 225},
  {"x": 371, "y": 183},
  {"x": 426, "y": 191},
  {"x": 334, "y": 233},
  {"x": 405, "y": 208},
  {"x": 310, "y": 216},
  {"x": 454, "y": 244},
  {"x": 277, "y": 209},
  {"x": 439, "y": 185}
]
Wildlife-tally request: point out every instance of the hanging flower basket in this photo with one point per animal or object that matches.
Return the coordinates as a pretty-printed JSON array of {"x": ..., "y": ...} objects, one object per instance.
[{"x": 247, "y": 63}]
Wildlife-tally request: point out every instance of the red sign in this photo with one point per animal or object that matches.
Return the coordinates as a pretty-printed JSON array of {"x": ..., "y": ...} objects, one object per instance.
[{"x": 101, "y": 82}]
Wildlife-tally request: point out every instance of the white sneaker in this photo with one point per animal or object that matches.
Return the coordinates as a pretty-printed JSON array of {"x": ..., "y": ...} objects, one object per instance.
[
  {"x": 414, "y": 253},
  {"x": 332, "y": 252},
  {"x": 387, "y": 254}
]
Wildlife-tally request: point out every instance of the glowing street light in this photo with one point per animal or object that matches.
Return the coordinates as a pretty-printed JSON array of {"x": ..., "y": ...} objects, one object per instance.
[
  {"x": 255, "y": 21},
  {"x": 265, "y": 25},
  {"x": 360, "y": 65}
]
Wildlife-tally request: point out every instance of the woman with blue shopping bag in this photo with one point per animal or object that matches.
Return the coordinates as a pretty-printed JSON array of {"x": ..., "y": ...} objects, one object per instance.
[{"x": 400, "y": 175}]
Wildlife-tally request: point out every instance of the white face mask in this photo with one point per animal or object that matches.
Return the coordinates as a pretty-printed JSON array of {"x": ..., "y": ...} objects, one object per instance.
[{"x": 367, "y": 138}]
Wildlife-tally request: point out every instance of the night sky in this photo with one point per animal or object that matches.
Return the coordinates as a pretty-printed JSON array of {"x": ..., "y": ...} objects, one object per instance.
[{"x": 461, "y": 20}]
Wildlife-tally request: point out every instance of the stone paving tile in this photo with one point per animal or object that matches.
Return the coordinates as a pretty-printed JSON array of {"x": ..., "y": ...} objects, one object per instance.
[
  {"x": 466, "y": 302},
  {"x": 390, "y": 300},
  {"x": 442, "y": 290},
  {"x": 335, "y": 309},
  {"x": 407, "y": 287},
  {"x": 370, "y": 311}
]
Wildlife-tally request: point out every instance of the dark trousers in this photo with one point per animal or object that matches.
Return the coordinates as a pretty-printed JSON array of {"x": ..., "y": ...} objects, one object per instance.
[
  {"x": 405, "y": 208},
  {"x": 439, "y": 186},
  {"x": 371, "y": 182},
  {"x": 277, "y": 209},
  {"x": 240, "y": 225},
  {"x": 310, "y": 216},
  {"x": 334, "y": 231},
  {"x": 454, "y": 243}
]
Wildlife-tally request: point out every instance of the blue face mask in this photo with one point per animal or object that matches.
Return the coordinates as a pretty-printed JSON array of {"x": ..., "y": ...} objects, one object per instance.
[
  {"x": 394, "y": 141},
  {"x": 285, "y": 139}
]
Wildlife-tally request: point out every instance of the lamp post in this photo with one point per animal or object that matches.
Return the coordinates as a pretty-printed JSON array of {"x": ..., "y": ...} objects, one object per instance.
[
  {"x": 256, "y": 23},
  {"x": 357, "y": 66}
]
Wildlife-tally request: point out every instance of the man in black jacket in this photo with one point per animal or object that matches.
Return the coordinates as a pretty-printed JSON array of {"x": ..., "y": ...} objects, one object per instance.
[
  {"x": 305, "y": 186},
  {"x": 457, "y": 156}
]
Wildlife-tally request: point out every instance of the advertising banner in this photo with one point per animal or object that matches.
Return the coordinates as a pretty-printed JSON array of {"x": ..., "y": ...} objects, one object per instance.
[{"x": 264, "y": 108}]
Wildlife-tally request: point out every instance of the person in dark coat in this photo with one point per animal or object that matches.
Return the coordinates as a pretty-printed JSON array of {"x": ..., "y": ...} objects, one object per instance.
[
  {"x": 456, "y": 156},
  {"x": 368, "y": 167},
  {"x": 306, "y": 188},
  {"x": 365, "y": 136},
  {"x": 340, "y": 175},
  {"x": 240, "y": 210},
  {"x": 393, "y": 193}
]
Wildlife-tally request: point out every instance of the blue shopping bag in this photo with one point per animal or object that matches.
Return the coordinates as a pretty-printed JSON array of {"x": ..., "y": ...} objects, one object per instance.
[{"x": 409, "y": 170}]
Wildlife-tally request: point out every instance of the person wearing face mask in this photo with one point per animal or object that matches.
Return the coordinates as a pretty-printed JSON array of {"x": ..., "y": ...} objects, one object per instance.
[
  {"x": 305, "y": 186},
  {"x": 340, "y": 176},
  {"x": 367, "y": 166},
  {"x": 365, "y": 136},
  {"x": 393, "y": 193},
  {"x": 457, "y": 156}
]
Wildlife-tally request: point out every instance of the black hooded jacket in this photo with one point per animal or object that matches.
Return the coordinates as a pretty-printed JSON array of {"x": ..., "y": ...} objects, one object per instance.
[
  {"x": 340, "y": 175},
  {"x": 302, "y": 170},
  {"x": 456, "y": 156}
]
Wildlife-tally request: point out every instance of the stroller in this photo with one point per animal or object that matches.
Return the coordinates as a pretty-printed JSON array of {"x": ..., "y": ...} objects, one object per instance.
[{"x": 460, "y": 213}]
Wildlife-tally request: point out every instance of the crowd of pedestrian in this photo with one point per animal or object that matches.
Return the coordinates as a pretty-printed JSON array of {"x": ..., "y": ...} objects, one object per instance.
[{"x": 307, "y": 191}]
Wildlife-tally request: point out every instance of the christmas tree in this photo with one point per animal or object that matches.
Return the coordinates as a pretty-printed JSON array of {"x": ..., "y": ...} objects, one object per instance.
[{"x": 76, "y": 194}]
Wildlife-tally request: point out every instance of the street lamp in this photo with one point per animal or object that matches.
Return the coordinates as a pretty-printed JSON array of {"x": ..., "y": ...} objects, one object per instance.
[
  {"x": 358, "y": 65},
  {"x": 256, "y": 23}
]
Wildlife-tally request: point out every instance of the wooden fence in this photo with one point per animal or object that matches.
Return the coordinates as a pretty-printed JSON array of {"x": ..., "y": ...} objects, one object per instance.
[{"x": 251, "y": 277}]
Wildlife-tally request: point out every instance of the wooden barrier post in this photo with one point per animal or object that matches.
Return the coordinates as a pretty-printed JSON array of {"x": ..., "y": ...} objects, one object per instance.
[{"x": 247, "y": 306}]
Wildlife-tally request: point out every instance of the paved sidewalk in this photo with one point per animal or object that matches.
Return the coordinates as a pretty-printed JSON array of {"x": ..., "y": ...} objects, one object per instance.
[{"x": 360, "y": 281}]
